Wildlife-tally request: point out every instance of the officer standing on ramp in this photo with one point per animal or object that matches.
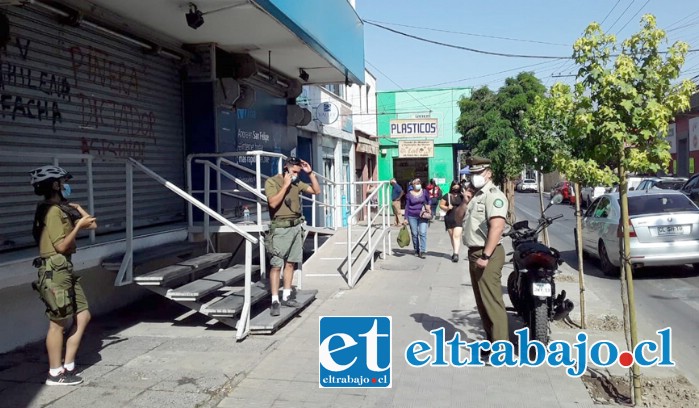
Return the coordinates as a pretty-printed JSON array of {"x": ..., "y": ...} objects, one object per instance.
[
  {"x": 285, "y": 239},
  {"x": 483, "y": 228}
]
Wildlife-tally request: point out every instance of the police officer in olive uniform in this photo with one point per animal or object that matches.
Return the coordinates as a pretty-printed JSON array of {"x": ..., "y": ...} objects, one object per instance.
[
  {"x": 483, "y": 228},
  {"x": 285, "y": 239}
]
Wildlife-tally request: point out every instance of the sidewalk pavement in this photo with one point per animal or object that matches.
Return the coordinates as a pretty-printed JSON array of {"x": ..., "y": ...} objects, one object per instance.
[
  {"x": 420, "y": 295},
  {"x": 139, "y": 358}
]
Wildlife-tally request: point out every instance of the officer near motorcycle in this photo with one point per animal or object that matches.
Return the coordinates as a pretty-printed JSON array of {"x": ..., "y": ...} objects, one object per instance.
[{"x": 483, "y": 228}]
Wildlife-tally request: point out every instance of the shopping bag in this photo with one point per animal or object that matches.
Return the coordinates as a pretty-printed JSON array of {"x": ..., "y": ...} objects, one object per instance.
[{"x": 404, "y": 237}]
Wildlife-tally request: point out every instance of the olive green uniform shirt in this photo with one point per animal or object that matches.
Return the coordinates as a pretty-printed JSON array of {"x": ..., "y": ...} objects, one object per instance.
[
  {"x": 487, "y": 203},
  {"x": 57, "y": 225},
  {"x": 290, "y": 207}
]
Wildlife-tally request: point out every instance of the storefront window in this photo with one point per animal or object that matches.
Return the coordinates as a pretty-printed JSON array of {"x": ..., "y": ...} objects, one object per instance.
[{"x": 691, "y": 165}]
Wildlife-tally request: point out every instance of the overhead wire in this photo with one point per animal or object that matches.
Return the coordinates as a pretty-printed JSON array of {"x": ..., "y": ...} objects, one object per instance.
[
  {"x": 620, "y": 16},
  {"x": 486, "y": 75},
  {"x": 610, "y": 12},
  {"x": 499, "y": 54},
  {"x": 469, "y": 34},
  {"x": 634, "y": 16},
  {"x": 394, "y": 82},
  {"x": 682, "y": 19}
]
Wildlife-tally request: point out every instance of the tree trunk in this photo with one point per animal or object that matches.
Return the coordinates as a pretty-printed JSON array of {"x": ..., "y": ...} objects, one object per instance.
[
  {"x": 541, "y": 205},
  {"x": 510, "y": 194},
  {"x": 578, "y": 237},
  {"x": 627, "y": 272}
]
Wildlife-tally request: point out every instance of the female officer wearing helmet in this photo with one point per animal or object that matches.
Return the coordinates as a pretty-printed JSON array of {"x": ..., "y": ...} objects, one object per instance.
[{"x": 56, "y": 225}]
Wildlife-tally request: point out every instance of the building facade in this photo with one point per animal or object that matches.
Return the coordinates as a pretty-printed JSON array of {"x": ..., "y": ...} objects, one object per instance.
[
  {"x": 363, "y": 100},
  {"x": 88, "y": 85},
  {"x": 417, "y": 135},
  {"x": 683, "y": 136}
]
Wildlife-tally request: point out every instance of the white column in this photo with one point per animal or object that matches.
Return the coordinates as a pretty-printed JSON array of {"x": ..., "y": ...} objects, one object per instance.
[{"x": 338, "y": 178}]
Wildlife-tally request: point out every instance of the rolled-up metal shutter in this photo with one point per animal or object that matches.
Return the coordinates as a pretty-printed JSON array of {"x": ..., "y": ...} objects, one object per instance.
[{"x": 73, "y": 90}]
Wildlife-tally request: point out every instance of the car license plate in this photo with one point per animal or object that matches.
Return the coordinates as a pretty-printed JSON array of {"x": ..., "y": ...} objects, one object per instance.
[
  {"x": 541, "y": 289},
  {"x": 674, "y": 230}
]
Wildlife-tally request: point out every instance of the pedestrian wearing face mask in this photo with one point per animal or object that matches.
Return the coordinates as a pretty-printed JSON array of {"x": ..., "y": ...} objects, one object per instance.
[
  {"x": 56, "y": 225},
  {"x": 418, "y": 214},
  {"x": 454, "y": 204},
  {"x": 284, "y": 242},
  {"x": 483, "y": 228}
]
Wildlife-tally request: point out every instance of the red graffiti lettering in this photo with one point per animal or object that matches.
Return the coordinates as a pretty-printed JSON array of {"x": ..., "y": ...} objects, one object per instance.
[
  {"x": 101, "y": 69},
  {"x": 122, "y": 118},
  {"x": 108, "y": 148}
]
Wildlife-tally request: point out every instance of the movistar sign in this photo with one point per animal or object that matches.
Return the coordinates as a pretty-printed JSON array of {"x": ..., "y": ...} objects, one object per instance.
[{"x": 425, "y": 127}]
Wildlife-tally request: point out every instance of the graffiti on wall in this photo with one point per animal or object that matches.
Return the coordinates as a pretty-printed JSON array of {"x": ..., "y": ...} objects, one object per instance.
[{"x": 28, "y": 93}]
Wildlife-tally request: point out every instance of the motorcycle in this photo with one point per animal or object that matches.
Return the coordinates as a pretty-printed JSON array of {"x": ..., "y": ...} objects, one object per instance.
[{"x": 531, "y": 285}]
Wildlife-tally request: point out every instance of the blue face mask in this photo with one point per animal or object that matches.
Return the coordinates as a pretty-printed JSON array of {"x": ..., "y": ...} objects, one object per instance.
[{"x": 66, "y": 191}]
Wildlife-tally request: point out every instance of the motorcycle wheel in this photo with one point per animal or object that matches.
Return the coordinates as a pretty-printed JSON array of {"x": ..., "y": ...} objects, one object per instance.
[
  {"x": 512, "y": 292},
  {"x": 539, "y": 322}
]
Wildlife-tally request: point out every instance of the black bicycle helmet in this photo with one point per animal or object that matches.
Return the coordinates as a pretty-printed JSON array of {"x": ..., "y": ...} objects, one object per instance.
[{"x": 48, "y": 172}]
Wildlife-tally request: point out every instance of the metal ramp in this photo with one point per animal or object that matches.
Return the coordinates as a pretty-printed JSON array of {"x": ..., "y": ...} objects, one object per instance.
[{"x": 332, "y": 258}]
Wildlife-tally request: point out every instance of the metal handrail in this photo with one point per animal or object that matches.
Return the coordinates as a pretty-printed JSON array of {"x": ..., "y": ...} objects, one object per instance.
[
  {"x": 125, "y": 274},
  {"x": 382, "y": 186}
]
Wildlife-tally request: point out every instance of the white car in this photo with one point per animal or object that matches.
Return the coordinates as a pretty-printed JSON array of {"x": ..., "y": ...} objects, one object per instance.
[
  {"x": 664, "y": 230},
  {"x": 528, "y": 185}
]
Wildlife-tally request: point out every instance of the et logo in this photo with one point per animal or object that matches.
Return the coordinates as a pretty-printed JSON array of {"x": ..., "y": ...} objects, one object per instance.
[{"x": 355, "y": 352}]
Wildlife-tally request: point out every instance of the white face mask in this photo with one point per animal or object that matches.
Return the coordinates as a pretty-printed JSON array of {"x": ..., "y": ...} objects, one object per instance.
[
  {"x": 417, "y": 187},
  {"x": 477, "y": 181},
  {"x": 294, "y": 177}
]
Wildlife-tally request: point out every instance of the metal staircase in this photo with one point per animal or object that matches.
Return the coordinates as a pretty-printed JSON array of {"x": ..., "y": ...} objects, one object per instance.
[
  {"x": 210, "y": 285},
  {"x": 217, "y": 283}
]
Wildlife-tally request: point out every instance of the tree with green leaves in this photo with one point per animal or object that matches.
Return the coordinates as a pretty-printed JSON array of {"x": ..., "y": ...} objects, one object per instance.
[
  {"x": 491, "y": 125},
  {"x": 616, "y": 119},
  {"x": 552, "y": 145}
]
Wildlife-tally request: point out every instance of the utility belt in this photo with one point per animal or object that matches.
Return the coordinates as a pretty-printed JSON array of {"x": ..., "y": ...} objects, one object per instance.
[
  {"x": 55, "y": 290},
  {"x": 479, "y": 248},
  {"x": 287, "y": 223}
]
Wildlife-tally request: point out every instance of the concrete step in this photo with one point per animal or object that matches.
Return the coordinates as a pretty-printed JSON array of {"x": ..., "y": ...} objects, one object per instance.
[
  {"x": 264, "y": 323},
  {"x": 181, "y": 270},
  {"x": 142, "y": 256},
  {"x": 194, "y": 291},
  {"x": 232, "y": 304}
]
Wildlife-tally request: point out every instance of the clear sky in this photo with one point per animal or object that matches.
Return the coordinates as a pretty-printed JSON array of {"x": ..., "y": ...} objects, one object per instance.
[{"x": 540, "y": 27}]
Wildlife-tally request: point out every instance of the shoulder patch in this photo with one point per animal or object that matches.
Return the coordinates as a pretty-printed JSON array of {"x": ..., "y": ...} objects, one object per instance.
[{"x": 498, "y": 203}]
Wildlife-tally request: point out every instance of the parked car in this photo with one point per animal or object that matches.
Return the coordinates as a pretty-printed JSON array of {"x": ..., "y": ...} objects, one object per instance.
[
  {"x": 518, "y": 185},
  {"x": 528, "y": 185},
  {"x": 691, "y": 188},
  {"x": 664, "y": 183},
  {"x": 664, "y": 230},
  {"x": 634, "y": 181},
  {"x": 565, "y": 189}
]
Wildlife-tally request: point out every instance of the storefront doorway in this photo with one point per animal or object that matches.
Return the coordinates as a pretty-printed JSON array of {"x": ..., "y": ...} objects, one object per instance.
[{"x": 406, "y": 170}]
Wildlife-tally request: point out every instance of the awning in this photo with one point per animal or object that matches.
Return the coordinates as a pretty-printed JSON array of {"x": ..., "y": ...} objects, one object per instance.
[
  {"x": 325, "y": 39},
  {"x": 366, "y": 145}
]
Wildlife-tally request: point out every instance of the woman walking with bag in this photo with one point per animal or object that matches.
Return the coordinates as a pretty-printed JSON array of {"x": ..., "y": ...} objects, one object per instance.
[
  {"x": 418, "y": 214},
  {"x": 454, "y": 203},
  {"x": 56, "y": 226}
]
